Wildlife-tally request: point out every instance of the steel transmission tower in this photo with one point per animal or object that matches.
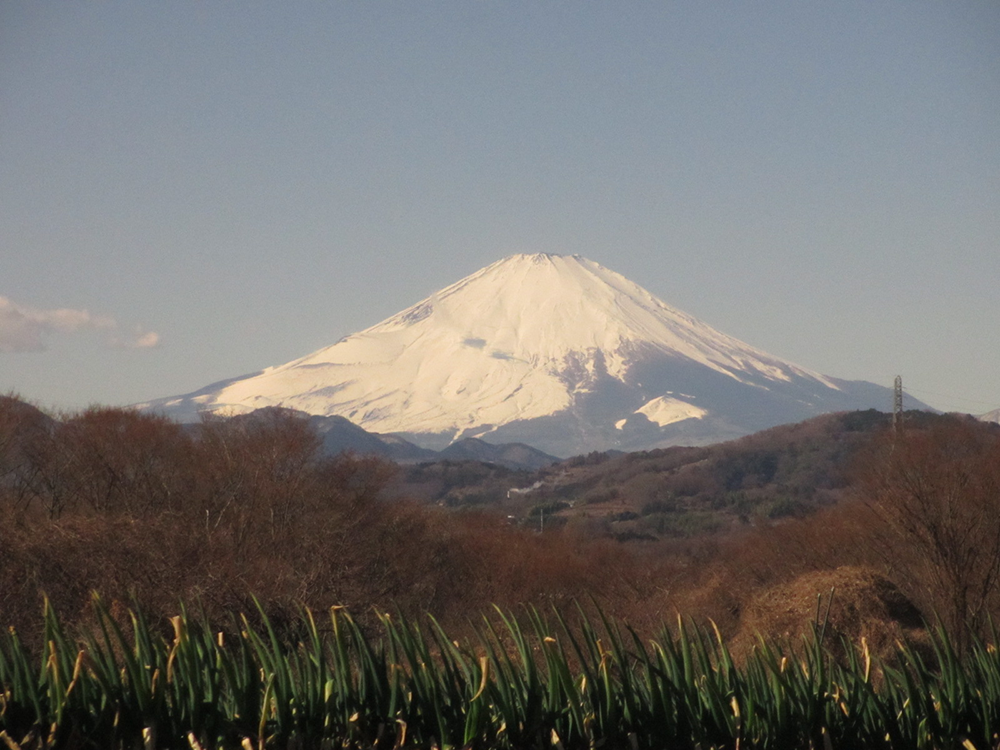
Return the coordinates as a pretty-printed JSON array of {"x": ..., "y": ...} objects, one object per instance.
[{"x": 897, "y": 405}]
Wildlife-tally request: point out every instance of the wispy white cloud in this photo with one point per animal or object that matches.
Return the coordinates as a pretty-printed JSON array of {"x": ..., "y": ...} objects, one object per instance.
[
  {"x": 25, "y": 329},
  {"x": 136, "y": 338}
]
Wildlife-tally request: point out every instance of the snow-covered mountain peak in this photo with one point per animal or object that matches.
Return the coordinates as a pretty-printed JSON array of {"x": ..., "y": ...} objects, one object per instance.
[
  {"x": 991, "y": 416},
  {"x": 530, "y": 338},
  {"x": 542, "y": 308}
]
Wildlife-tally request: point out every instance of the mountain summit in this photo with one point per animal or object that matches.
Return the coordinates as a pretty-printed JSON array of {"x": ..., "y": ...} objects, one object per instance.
[{"x": 554, "y": 351}]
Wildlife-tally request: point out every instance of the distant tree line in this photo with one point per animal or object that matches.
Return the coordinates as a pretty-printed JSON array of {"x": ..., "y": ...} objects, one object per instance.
[{"x": 149, "y": 512}]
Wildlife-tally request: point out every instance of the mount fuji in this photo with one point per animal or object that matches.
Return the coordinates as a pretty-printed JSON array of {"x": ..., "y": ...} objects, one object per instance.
[
  {"x": 554, "y": 351},
  {"x": 991, "y": 416}
]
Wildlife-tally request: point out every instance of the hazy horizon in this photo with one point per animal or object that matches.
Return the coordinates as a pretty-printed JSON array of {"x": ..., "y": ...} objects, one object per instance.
[{"x": 194, "y": 191}]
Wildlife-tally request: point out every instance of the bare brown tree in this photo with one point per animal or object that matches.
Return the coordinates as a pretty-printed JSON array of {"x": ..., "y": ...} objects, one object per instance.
[
  {"x": 17, "y": 421},
  {"x": 938, "y": 491},
  {"x": 123, "y": 462},
  {"x": 34, "y": 466},
  {"x": 255, "y": 471}
]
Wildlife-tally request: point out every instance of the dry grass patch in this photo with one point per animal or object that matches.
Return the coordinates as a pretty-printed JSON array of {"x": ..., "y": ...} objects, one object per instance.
[{"x": 848, "y": 603}]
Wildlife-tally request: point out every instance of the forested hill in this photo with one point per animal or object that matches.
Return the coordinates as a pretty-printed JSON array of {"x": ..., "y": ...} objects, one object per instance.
[{"x": 784, "y": 471}]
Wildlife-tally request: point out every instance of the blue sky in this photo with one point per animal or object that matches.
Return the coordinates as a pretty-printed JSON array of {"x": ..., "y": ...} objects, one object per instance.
[{"x": 191, "y": 191}]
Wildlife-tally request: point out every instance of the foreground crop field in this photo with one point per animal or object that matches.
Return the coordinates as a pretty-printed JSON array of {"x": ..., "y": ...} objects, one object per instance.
[{"x": 527, "y": 682}]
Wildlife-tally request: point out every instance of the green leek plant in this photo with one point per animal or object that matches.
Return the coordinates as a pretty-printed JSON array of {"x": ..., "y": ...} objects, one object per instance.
[{"x": 520, "y": 682}]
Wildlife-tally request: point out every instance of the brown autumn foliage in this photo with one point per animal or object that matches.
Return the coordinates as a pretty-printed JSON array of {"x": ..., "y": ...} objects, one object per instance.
[
  {"x": 143, "y": 510},
  {"x": 937, "y": 495},
  {"x": 137, "y": 508},
  {"x": 849, "y": 604}
]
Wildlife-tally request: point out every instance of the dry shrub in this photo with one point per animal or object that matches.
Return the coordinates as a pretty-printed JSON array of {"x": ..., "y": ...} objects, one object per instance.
[
  {"x": 773, "y": 553},
  {"x": 67, "y": 561},
  {"x": 936, "y": 491},
  {"x": 847, "y": 604}
]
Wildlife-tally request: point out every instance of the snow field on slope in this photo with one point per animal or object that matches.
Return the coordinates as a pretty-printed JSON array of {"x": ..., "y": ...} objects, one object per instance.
[{"x": 515, "y": 340}]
